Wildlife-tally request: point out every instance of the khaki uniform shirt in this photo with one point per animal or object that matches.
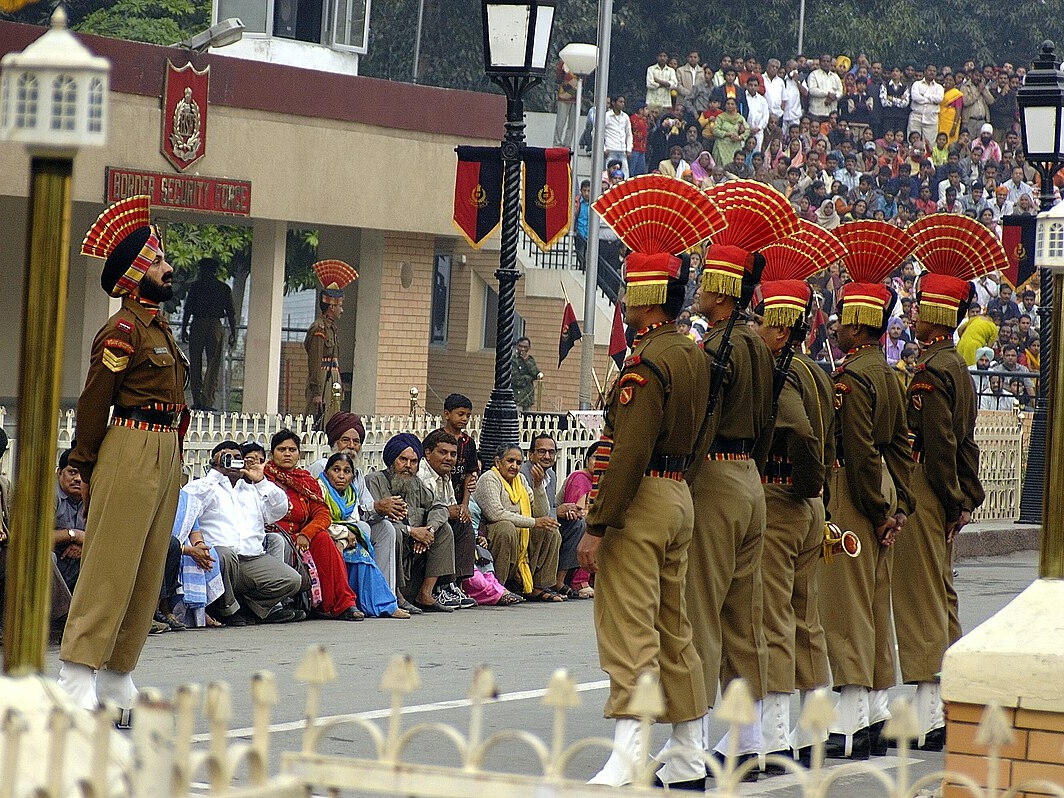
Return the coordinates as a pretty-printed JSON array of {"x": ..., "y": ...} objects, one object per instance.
[
  {"x": 941, "y": 409},
  {"x": 744, "y": 409},
  {"x": 135, "y": 362},
  {"x": 322, "y": 353},
  {"x": 656, "y": 407},
  {"x": 871, "y": 429}
]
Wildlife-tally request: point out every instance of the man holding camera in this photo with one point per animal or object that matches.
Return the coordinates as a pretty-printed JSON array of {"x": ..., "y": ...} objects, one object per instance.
[{"x": 238, "y": 502}]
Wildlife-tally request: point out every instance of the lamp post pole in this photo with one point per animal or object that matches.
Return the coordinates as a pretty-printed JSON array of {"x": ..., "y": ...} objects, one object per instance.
[
  {"x": 501, "y": 425},
  {"x": 1042, "y": 93}
]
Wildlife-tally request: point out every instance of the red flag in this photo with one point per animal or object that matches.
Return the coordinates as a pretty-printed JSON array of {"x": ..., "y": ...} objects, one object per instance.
[
  {"x": 478, "y": 193},
  {"x": 618, "y": 343},
  {"x": 570, "y": 333},
  {"x": 1018, "y": 239},
  {"x": 817, "y": 331},
  {"x": 547, "y": 212}
]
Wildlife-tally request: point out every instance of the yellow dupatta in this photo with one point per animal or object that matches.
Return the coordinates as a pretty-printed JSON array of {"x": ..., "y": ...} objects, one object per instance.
[{"x": 519, "y": 496}]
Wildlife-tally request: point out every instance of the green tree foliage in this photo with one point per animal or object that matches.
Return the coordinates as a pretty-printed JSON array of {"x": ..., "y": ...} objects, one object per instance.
[{"x": 153, "y": 21}]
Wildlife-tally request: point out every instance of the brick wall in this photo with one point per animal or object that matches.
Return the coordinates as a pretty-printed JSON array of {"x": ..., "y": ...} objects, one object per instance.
[
  {"x": 1036, "y": 751},
  {"x": 403, "y": 352},
  {"x": 455, "y": 370},
  {"x": 292, "y": 390}
]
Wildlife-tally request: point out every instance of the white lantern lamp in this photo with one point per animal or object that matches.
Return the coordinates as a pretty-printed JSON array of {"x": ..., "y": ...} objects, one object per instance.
[
  {"x": 1041, "y": 101},
  {"x": 1049, "y": 250},
  {"x": 517, "y": 36},
  {"x": 54, "y": 94}
]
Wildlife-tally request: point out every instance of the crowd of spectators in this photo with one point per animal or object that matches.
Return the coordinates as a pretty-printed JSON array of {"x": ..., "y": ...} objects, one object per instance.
[
  {"x": 260, "y": 540},
  {"x": 845, "y": 140}
]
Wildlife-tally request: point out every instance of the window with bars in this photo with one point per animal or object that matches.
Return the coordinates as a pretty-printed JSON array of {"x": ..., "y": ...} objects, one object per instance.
[
  {"x": 64, "y": 102},
  {"x": 26, "y": 95}
]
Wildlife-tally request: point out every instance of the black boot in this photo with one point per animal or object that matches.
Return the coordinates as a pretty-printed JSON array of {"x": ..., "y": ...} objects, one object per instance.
[
  {"x": 805, "y": 757},
  {"x": 934, "y": 740},
  {"x": 694, "y": 785},
  {"x": 750, "y": 776},
  {"x": 775, "y": 768},
  {"x": 877, "y": 743},
  {"x": 836, "y": 746}
]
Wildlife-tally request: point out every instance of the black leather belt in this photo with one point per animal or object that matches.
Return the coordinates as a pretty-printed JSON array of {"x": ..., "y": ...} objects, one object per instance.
[
  {"x": 669, "y": 462},
  {"x": 141, "y": 415},
  {"x": 732, "y": 446}
]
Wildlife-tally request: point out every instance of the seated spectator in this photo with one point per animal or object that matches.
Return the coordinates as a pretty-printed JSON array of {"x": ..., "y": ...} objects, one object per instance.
[
  {"x": 538, "y": 470},
  {"x": 895, "y": 345},
  {"x": 60, "y": 599},
  {"x": 1009, "y": 365},
  {"x": 202, "y": 582},
  {"x": 575, "y": 491},
  {"x": 984, "y": 356},
  {"x": 522, "y": 535},
  {"x": 307, "y": 526},
  {"x": 435, "y": 469},
  {"x": 996, "y": 397},
  {"x": 69, "y": 511},
  {"x": 1004, "y": 304},
  {"x": 375, "y": 598},
  {"x": 235, "y": 506},
  {"x": 419, "y": 520},
  {"x": 907, "y": 365},
  {"x": 1024, "y": 397},
  {"x": 345, "y": 433}
]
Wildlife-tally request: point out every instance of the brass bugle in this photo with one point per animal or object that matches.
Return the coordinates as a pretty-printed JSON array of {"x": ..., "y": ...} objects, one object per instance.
[{"x": 837, "y": 541}]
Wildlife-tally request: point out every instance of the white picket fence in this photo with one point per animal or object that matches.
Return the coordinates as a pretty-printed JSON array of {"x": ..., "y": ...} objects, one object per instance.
[
  {"x": 51, "y": 750},
  {"x": 1000, "y": 435}
]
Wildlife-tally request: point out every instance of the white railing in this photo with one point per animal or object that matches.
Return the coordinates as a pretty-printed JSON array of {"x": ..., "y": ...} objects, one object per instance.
[
  {"x": 1000, "y": 435},
  {"x": 85, "y": 757}
]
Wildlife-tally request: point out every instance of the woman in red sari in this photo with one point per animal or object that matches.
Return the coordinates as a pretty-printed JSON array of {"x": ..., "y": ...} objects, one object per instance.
[{"x": 307, "y": 526}]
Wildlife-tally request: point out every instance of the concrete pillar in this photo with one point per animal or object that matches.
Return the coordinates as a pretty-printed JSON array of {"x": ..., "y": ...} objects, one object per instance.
[
  {"x": 367, "y": 312},
  {"x": 262, "y": 349}
]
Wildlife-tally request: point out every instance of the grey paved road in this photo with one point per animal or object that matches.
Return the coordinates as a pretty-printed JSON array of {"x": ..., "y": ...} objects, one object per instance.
[{"x": 522, "y": 645}]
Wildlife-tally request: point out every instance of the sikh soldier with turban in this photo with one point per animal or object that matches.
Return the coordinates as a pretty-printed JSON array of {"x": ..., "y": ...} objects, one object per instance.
[
  {"x": 320, "y": 343},
  {"x": 130, "y": 466},
  {"x": 420, "y": 522}
]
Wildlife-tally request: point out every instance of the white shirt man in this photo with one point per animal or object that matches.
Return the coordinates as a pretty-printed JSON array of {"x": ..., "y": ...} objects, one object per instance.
[
  {"x": 617, "y": 138},
  {"x": 825, "y": 88},
  {"x": 774, "y": 89},
  {"x": 237, "y": 504},
  {"x": 757, "y": 113},
  {"x": 925, "y": 95},
  {"x": 985, "y": 289},
  {"x": 1017, "y": 187},
  {"x": 792, "y": 97},
  {"x": 661, "y": 80}
]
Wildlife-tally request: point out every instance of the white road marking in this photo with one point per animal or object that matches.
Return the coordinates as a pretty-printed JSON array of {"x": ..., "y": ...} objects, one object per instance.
[{"x": 416, "y": 709}]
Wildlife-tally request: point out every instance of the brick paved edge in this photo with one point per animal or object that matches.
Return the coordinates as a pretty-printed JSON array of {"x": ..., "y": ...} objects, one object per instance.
[{"x": 994, "y": 538}]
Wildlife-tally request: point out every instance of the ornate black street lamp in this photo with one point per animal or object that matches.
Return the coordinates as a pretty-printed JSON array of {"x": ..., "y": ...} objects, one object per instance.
[
  {"x": 1041, "y": 101},
  {"x": 516, "y": 44}
]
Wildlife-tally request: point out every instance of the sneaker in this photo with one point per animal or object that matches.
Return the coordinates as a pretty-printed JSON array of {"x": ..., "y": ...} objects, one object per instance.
[
  {"x": 457, "y": 592},
  {"x": 445, "y": 597}
]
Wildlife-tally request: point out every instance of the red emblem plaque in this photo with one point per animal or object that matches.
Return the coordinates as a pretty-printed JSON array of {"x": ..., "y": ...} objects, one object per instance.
[{"x": 184, "y": 139}]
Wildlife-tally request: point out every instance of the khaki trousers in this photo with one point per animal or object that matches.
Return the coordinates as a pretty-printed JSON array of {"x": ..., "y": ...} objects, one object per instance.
[
  {"x": 724, "y": 577},
  {"x": 131, "y": 516},
  {"x": 504, "y": 543},
  {"x": 640, "y": 609},
  {"x": 856, "y": 606},
  {"x": 922, "y": 606},
  {"x": 794, "y": 637}
]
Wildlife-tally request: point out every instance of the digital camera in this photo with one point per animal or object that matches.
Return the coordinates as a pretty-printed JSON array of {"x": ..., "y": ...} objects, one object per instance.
[{"x": 232, "y": 461}]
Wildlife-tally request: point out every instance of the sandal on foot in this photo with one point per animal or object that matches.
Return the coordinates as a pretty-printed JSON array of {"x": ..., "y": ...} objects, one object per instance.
[
  {"x": 586, "y": 592},
  {"x": 546, "y": 595},
  {"x": 509, "y": 598},
  {"x": 399, "y": 614}
]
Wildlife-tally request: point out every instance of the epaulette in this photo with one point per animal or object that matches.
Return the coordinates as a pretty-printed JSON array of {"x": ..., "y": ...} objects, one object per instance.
[
  {"x": 125, "y": 325},
  {"x": 629, "y": 362}
]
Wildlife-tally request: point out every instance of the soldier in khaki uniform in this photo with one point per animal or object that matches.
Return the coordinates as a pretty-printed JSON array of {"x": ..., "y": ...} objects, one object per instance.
[
  {"x": 724, "y": 578},
  {"x": 130, "y": 467},
  {"x": 801, "y": 450},
  {"x": 941, "y": 407},
  {"x": 869, "y": 491},
  {"x": 323, "y": 354},
  {"x": 640, "y": 522}
]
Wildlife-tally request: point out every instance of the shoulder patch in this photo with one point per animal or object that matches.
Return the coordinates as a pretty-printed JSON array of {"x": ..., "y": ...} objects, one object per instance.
[
  {"x": 119, "y": 344},
  {"x": 319, "y": 333},
  {"x": 634, "y": 360},
  {"x": 124, "y": 325},
  {"x": 925, "y": 387},
  {"x": 626, "y": 394},
  {"x": 841, "y": 389},
  {"x": 638, "y": 379}
]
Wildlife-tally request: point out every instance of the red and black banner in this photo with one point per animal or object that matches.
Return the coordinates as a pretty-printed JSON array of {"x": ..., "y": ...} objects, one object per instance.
[
  {"x": 570, "y": 333},
  {"x": 478, "y": 193},
  {"x": 1018, "y": 238},
  {"x": 618, "y": 342},
  {"x": 548, "y": 205}
]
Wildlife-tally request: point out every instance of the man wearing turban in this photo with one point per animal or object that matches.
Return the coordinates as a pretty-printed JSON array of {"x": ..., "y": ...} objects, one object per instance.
[{"x": 419, "y": 520}]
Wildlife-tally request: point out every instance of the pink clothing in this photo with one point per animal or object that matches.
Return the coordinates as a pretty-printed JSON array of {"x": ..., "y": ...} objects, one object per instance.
[
  {"x": 483, "y": 588},
  {"x": 577, "y": 486}
]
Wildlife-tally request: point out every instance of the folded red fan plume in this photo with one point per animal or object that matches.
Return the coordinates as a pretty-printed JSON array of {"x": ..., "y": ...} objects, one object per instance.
[
  {"x": 757, "y": 214},
  {"x": 655, "y": 214},
  {"x": 335, "y": 274},
  {"x": 873, "y": 249},
  {"x": 114, "y": 224},
  {"x": 957, "y": 246},
  {"x": 812, "y": 249}
]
